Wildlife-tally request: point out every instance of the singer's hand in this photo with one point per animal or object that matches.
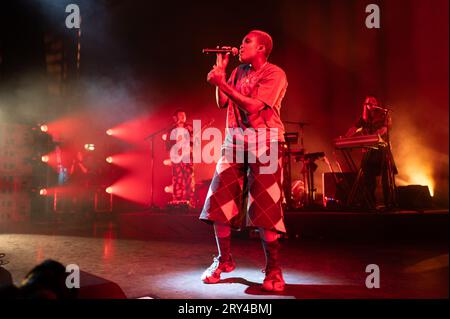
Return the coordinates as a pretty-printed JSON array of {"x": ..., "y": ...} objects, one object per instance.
[
  {"x": 216, "y": 76},
  {"x": 222, "y": 60}
]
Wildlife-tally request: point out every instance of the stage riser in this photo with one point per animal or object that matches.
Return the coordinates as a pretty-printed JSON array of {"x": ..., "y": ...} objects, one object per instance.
[{"x": 349, "y": 226}]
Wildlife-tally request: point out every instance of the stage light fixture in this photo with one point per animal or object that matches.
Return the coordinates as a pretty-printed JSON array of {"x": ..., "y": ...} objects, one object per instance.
[
  {"x": 109, "y": 132},
  {"x": 45, "y": 158},
  {"x": 89, "y": 147},
  {"x": 44, "y": 128},
  {"x": 168, "y": 189},
  {"x": 109, "y": 190},
  {"x": 167, "y": 162},
  {"x": 109, "y": 159},
  {"x": 43, "y": 192}
]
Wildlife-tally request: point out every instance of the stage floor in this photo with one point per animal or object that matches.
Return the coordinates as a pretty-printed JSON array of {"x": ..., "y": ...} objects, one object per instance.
[{"x": 168, "y": 263}]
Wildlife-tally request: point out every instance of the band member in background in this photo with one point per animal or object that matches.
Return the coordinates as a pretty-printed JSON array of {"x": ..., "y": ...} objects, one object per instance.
[
  {"x": 183, "y": 183},
  {"x": 376, "y": 162},
  {"x": 252, "y": 96},
  {"x": 60, "y": 169},
  {"x": 79, "y": 181},
  {"x": 78, "y": 170}
]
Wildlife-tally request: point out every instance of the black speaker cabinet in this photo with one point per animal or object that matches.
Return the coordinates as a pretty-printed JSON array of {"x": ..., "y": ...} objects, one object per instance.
[
  {"x": 414, "y": 197},
  {"x": 93, "y": 287},
  {"x": 336, "y": 187}
]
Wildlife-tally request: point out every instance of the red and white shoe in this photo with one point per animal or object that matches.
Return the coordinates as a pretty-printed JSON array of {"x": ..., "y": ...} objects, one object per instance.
[
  {"x": 274, "y": 280},
  {"x": 212, "y": 274}
]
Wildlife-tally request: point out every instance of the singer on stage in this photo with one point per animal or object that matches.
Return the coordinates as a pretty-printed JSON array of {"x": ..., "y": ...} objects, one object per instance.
[{"x": 252, "y": 96}]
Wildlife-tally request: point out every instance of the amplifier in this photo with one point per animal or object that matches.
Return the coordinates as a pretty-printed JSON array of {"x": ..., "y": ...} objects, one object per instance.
[{"x": 414, "y": 197}]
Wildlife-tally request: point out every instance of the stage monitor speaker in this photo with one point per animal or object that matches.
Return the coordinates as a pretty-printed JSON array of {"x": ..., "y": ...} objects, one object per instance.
[
  {"x": 336, "y": 187},
  {"x": 93, "y": 287},
  {"x": 414, "y": 197},
  {"x": 5, "y": 276}
]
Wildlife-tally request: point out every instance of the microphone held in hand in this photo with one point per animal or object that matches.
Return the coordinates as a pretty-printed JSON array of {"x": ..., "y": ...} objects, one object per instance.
[
  {"x": 381, "y": 108},
  {"x": 234, "y": 51}
]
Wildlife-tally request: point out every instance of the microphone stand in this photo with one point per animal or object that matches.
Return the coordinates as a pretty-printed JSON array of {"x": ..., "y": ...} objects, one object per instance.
[
  {"x": 392, "y": 201},
  {"x": 152, "y": 162},
  {"x": 304, "y": 200}
]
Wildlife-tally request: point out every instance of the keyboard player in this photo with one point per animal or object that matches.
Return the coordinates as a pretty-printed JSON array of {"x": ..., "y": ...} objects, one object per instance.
[{"x": 377, "y": 161}]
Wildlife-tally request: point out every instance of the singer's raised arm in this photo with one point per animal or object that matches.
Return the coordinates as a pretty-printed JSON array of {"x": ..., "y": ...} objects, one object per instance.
[
  {"x": 221, "y": 99},
  {"x": 225, "y": 91},
  {"x": 248, "y": 104}
]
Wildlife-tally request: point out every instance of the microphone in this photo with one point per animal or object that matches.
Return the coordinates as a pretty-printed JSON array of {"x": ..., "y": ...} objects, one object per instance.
[
  {"x": 234, "y": 51},
  {"x": 379, "y": 108}
]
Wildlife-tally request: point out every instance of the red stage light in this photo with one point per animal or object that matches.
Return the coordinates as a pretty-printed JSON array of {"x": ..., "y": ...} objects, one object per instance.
[
  {"x": 89, "y": 147},
  {"x": 44, "y": 128},
  {"x": 109, "y": 159},
  {"x": 168, "y": 189},
  {"x": 109, "y": 132},
  {"x": 44, "y": 158},
  {"x": 43, "y": 192},
  {"x": 109, "y": 190}
]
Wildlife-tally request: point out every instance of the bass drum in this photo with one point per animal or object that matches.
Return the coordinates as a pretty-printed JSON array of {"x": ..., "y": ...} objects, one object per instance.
[{"x": 298, "y": 193}]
